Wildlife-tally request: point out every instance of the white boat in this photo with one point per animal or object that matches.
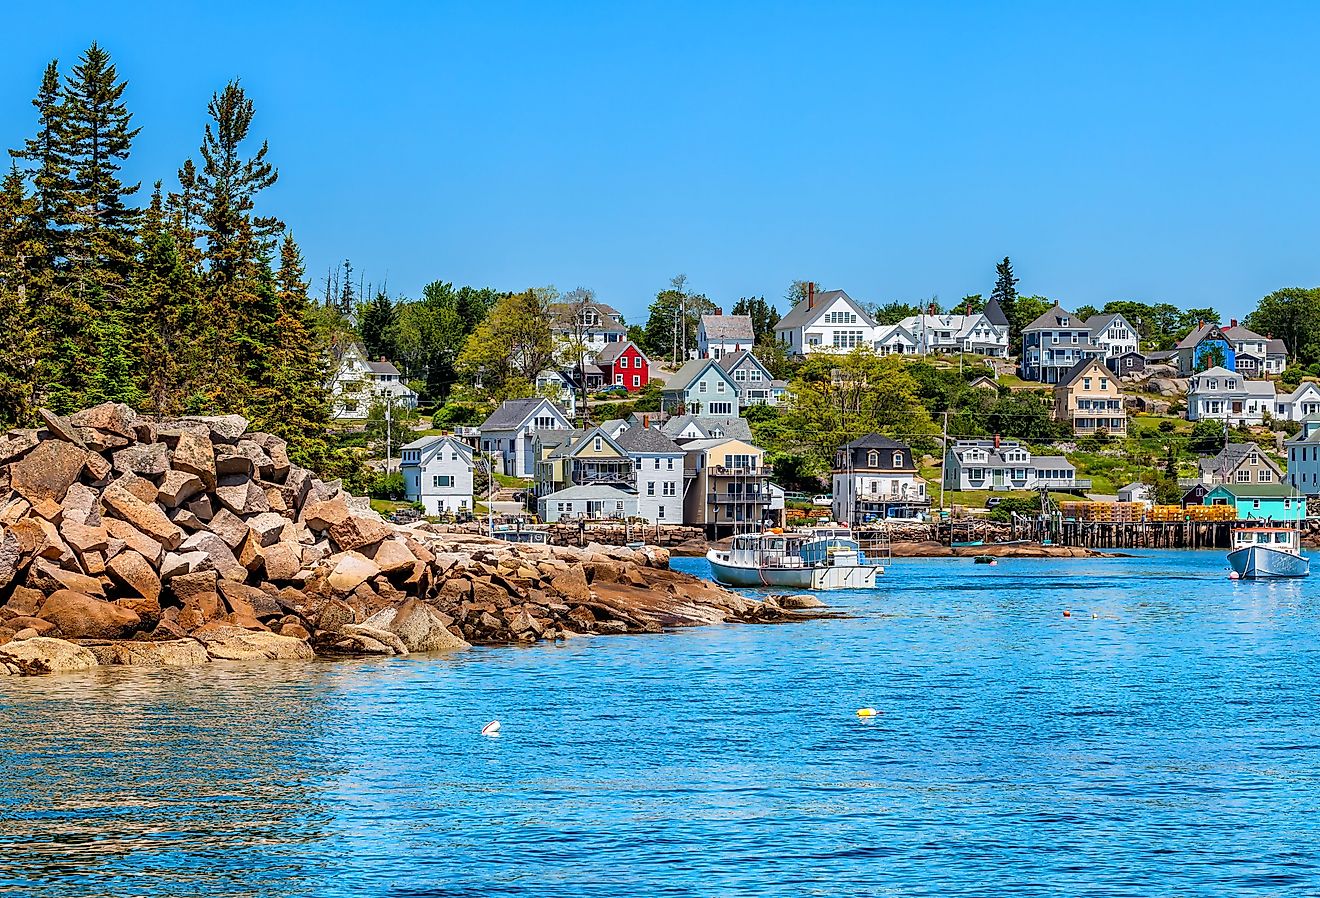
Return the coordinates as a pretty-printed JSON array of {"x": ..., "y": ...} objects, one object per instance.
[
  {"x": 1268, "y": 553},
  {"x": 817, "y": 558}
]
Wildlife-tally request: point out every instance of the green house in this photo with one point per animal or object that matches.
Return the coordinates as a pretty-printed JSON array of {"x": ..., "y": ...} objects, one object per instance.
[{"x": 1260, "y": 501}]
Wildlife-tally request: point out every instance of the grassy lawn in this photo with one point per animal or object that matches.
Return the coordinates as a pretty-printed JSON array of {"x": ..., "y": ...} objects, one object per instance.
[
  {"x": 977, "y": 498},
  {"x": 388, "y": 506},
  {"x": 513, "y": 483}
]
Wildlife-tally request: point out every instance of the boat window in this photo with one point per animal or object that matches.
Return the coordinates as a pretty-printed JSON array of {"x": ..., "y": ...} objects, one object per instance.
[
  {"x": 1262, "y": 537},
  {"x": 1281, "y": 537}
]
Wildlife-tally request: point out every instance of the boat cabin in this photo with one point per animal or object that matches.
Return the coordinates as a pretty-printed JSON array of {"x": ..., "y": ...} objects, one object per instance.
[{"x": 1284, "y": 539}]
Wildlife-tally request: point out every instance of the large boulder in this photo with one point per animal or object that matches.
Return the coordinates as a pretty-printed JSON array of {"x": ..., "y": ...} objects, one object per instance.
[
  {"x": 82, "y": 616},
  {"x": 43, "y": 655},
  {"x": 143, "y": 459},
  {"x": 225, "y": 642},
  {"x": 166, "y": 653},
  {"x": 135, "y": 572},
  {"x": 420, "y": 627},
  {"x": 150, "y": 519},
  {"x": 352, "y": 570},
  {"x": 47, "y": 471},
  {"x": 194, "y": 454}
]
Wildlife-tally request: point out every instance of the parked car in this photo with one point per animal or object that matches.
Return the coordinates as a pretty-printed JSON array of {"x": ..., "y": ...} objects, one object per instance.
[
  {"x": 823, "y": 500},
  {"x": 614, "y": 390},
  {"x": 993, "y": 501}
]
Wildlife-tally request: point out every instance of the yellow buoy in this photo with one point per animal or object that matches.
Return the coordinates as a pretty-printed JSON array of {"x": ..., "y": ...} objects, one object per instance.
[{"x": 866, "y": 712}]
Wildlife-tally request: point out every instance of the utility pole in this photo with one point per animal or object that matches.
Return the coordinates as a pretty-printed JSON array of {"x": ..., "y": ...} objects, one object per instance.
[{"x": 944, "y": 460}]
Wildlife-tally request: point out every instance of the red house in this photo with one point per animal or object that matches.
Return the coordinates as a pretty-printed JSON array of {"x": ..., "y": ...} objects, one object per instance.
[{"x": 624, "y": 365}]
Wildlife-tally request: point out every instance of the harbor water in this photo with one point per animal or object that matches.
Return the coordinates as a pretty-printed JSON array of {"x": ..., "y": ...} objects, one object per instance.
[{"x": 1163, "y": 738}]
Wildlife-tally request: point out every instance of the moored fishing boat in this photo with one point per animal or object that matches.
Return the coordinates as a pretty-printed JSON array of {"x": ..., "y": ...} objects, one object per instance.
[
  {"x": 815, "y": 558},
  {"x": 1268, "y": 553}
]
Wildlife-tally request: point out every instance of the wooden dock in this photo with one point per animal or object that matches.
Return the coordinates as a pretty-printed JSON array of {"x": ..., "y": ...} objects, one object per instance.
[{"x": 1128, "y": 534}]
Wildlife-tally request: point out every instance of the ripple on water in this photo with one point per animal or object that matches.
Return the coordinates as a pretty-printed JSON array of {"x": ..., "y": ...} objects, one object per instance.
[{"x": 1165, "y": 745}]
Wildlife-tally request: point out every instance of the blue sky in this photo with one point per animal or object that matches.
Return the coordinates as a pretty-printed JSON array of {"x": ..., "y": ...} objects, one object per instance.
[{"x": 1157, "y": 152}]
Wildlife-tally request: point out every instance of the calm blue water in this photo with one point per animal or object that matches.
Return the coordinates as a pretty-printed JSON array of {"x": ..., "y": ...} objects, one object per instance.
[{"x": 1163, "y": 740}]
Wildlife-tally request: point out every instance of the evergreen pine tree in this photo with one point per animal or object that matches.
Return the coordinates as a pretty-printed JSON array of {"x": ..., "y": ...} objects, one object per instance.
[
  {"x": 239, "y": 301},
  {"x": 48, "y": 166},
  {"x": 376, "y": 324},
  {"x": 99, "y": 136},
  {"x": 111, "y": 378},
  {"x": 166, "y": 315},
  {"x": 295, "y": 404},
  {"x": 19, "y": 249},
  {"x": 1005, "y": 293}
]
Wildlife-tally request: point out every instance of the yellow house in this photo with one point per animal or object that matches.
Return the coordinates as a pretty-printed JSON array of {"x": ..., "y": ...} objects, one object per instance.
[
  {"x": 582, "y": 459},
  {"x": 726, "y": 485},
  {"x": 1087, "y": 398}
]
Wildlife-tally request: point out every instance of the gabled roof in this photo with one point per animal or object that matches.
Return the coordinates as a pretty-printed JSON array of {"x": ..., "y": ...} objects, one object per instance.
[
  {"x": 888, "y": 332},
  {"x": 1079, "y": 369},
  {"x": 382, "y": 368},
  {"x": 429, "y": 445},
  {"x": 1054, "y": 318},
  {"x": 581, "y": 439},
  {"x": 801, "y": 314},
  {"x": 691, "y": 371},
  {"x": 613, "y": 350},
  {"x": 647, "y": 440},
  {"x": 1232, "y": 455},
  {"x": 731, "y": 360},
  {"x": 876, "y": 441},
  {"x": 1101, "y": 322},
  {"x": 591, "y": 491},
  {"x": 1217, "y": 371},
  {"x": 513, "y": 413},
  {"x": 728, "y": 327},
  {"x": 1239, "y": 332},
  {"x": 563, "y": 313},
  {"x": 1199, "y": 333},
  {"x": 731, "y": 428},
  {"x": 1275, "y": 346},
  {"x": 994, "y": 313}
]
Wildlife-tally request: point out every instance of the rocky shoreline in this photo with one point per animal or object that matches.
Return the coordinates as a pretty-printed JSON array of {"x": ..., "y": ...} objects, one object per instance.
[{"x": 130, "y": 541}]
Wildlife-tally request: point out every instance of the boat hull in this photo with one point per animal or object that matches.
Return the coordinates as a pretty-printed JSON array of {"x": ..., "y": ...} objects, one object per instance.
[
  {"x": 1265, "y": 563},
  {"x": 737, "y": 575}
]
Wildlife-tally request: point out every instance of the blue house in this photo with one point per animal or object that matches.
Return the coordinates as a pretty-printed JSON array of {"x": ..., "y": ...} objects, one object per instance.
[
  {"x": 1206, "y": 347},
  {"x": 701, "y": 387},
  {"x": 1259, "y": 501}
]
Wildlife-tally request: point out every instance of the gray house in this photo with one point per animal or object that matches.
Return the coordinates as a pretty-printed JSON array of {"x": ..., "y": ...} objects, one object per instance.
[
  {"x": 658, "y": 471},
  {"x": 755, "y": 384},
  {"x": 508, "y": 435},
  {"x": 992, "y": 465},
  {"x": 696, "y": 427},
  {"x": 1054, "y": 343},
  {"x": 701, "y": 387}
]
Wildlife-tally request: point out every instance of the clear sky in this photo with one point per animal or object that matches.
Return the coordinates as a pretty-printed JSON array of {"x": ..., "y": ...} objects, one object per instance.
[{"x": 1157, "y": 152}]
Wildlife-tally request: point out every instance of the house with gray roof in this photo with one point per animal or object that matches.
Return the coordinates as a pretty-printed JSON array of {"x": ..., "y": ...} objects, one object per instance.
[
  {"x": 828, "y": 321},
  {"x": 1053, "y": 344},
  {"x": 508, "y": 435},
  {"x": 1114, "y": 334},
  {"x": 701, "y": 387},
  {"x": 595, "y": 324},
  {"x": 594, "y": 502},
  {"x": 437, "y": 473},
  {"x": 1007, "y": 465},
  {"x": 755, "y": 384},
  {"x": 1304, "y": 458},
  {"x": 719, "y": 335},
  {"x": 680, "y": 428},
  {"x": 360, "y": 382},
  {"x": 658, "y": 472}
]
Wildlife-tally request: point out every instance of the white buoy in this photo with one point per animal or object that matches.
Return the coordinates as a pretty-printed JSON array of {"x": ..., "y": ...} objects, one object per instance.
[
  {"x": 1232, "y": 575},
  {"x": 491, "y": 729}
]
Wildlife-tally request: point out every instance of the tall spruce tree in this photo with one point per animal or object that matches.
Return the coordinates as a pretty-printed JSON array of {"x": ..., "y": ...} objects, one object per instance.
[
  {"x": 19, "y": 251},
  {"x": 1005, "y": 293},
  {"x": 99, "y": 136},
  {"x": 46, "y": 155},
  {"x": 377, "y": 321},
  {"x": 295, "y": 404},
  {"x": 239, "y": 299},
  {"x": 166, "y": 316}
]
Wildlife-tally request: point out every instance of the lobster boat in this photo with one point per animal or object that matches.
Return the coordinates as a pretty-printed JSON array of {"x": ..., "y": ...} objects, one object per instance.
[
  {"x": 1268, "y": 553},
  {"x": 815, "y": 558}
]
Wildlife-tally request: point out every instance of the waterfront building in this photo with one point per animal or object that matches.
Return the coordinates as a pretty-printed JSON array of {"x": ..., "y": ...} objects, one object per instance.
[
  {"x": 360, "y": 382},
  {"x": 1130, "y": 362},
  {"x": 657, "y": 463},
  {"x": 1220, "y": 394},
  {"x": 719, "y": 335},
  {"x": 1088, "y": 399},
  {"x": 755, "y": 384},
  {"x": 875, "y": 478},
  {"x": 726, "y": 486},
  {"x": 1053, "y": 344},
  {"x": 437, "y": 474},
  {"x": 594, "y": 502},
  {"x": 701, "y": 387},
  {"x": 1137, "y": 492},
  {"x": 508, "y": 435},
  {"x": 1304, "y": 458},
  {"x": 1006, "y": 465},
  {"x": 1259, "y": 501},
  {"x": 829, "y": 321},
  {"x": 1240, "y": 463},
  {"x": 581, "y": 458}
]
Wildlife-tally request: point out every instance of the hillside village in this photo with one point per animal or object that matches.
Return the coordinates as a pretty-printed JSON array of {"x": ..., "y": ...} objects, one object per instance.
[{"x": 829, "y": 411}]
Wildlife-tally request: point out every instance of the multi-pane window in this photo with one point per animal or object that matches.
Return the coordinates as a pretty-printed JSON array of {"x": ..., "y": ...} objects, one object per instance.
[
  {"x": 849, "y": 339},
  {"x": 670, "y": 488},
  {"x": 1243, "y": 476}
]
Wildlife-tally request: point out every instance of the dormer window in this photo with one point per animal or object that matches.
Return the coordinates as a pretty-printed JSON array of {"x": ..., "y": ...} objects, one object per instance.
[
  {"x": 1063, "y": 320},
  {"x": 898, "y": 459},
  {"x": 873, "y": 459}
]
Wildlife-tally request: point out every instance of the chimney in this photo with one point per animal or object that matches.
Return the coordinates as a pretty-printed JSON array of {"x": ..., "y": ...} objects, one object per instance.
[
  {"x": 1232, "y": 322},
  {"x": 811, "y": 294},
  {"x": 930, "y": 309},
  {"x": 381, "y": 359},
  {"x": 996, "y": 442},
  {"x": 1200, "y": 323},
  {"x": 646, "y": 421}
]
